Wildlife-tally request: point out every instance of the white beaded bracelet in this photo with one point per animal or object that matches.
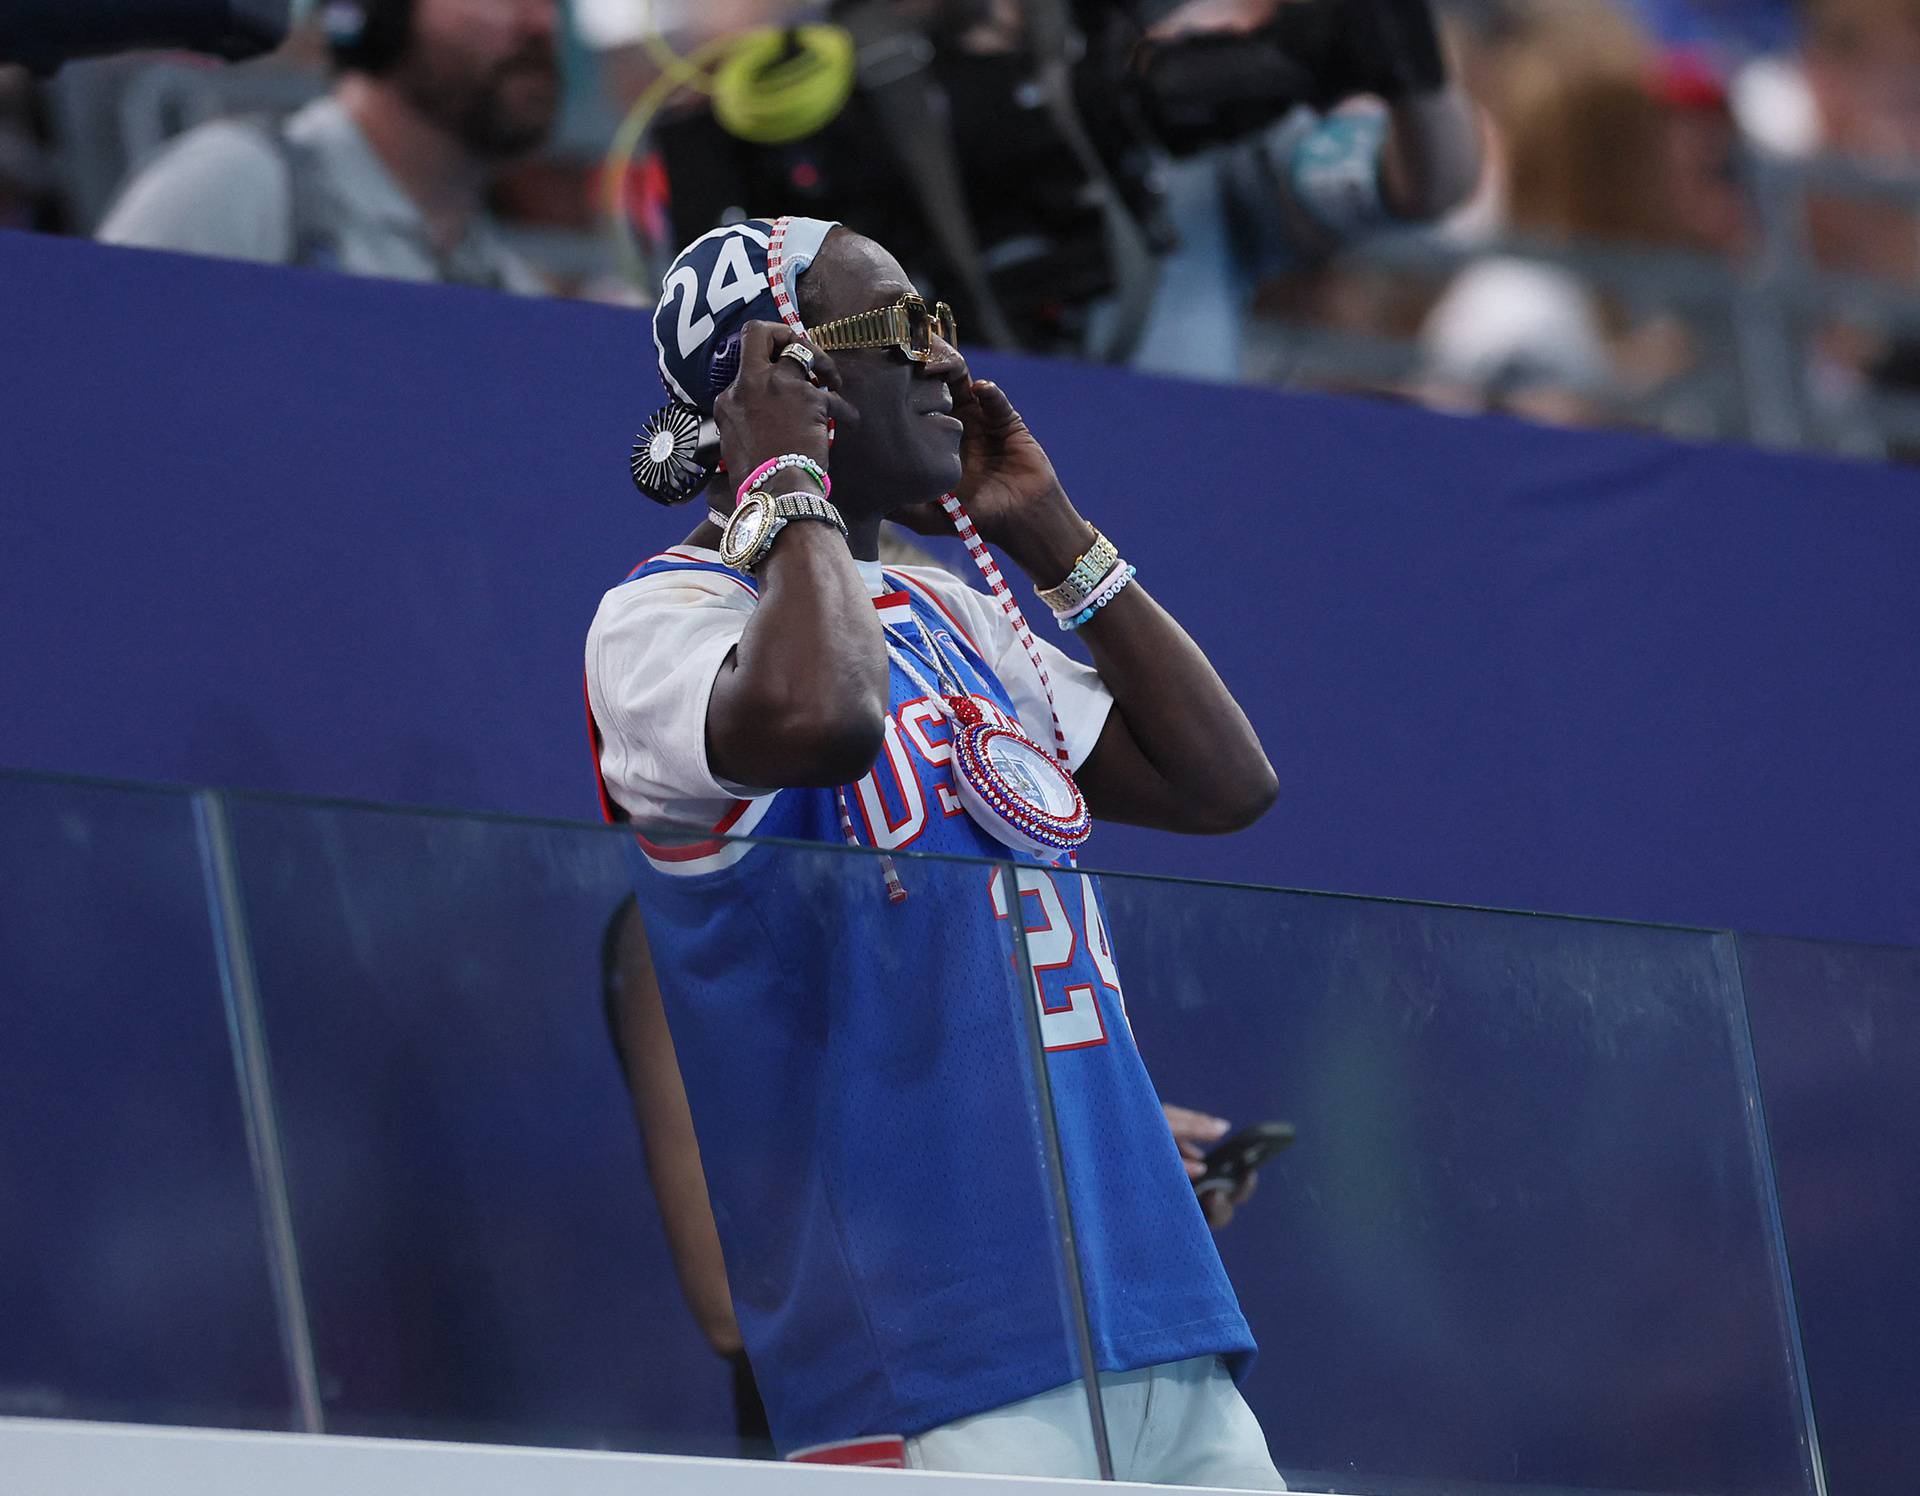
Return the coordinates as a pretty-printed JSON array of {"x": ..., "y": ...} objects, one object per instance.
[{"x": 1111, "y": 586}]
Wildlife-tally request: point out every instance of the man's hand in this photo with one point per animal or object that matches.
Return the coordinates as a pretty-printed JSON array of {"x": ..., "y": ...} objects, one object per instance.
[
  {"x": 1196, "y": 1132},
  {"x": 802, "y": 698},
  {"x": 1177, "y": 752},
  {"x": 1009, "y": 487},
  {"x": 1004, "y": 472},
  {"x": 772, "y": 407}
]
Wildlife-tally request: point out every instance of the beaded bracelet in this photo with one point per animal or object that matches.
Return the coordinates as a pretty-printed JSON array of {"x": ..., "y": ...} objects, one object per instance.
[
  {"x": 776, "y": 464},
  {"x": 1112, "y": 587},
  {"x": 1098, "y": 562}
]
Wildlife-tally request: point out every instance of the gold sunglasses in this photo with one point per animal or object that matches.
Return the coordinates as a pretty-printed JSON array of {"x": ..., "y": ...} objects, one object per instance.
[{"x": 907, "y": 325}]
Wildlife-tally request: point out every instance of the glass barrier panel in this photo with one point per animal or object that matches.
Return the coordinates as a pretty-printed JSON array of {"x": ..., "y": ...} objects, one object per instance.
[
  {"x": 832, "y": 1082},
  {"x": 1518, "y": 1232},
  {"x": 1837, "y": 1032},
  {"x": 524, "y": 1078},
  {"x": 134, "y": 1281}
]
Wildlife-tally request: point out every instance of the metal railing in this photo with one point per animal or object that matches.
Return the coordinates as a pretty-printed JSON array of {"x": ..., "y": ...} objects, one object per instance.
[{"x": 1758, "y": 320}]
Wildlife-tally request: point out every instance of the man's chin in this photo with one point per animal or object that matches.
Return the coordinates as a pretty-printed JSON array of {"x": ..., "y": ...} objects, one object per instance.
[
  {"x": 514, "y": 120},
  {"x": 925, "y": 487},
  {"x": 948, "y": 478}
]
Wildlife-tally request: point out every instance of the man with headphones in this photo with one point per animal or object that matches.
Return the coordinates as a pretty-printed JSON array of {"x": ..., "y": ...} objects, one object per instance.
[{"x": 386, "y": 173}]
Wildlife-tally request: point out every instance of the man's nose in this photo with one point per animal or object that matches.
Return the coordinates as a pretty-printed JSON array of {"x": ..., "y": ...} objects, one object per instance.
[{"x": 943, "y": 360}]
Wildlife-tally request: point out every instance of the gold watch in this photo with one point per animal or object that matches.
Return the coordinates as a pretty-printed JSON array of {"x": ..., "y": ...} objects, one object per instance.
[{"x": 750, "y": 531}]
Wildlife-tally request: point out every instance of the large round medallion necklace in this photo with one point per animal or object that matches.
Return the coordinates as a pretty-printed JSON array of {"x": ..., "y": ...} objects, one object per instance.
[{"x": 1012, "y": 787}]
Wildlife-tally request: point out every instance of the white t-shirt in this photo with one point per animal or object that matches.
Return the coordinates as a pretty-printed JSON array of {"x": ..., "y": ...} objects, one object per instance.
[
  {"x": 1515, "y": 320},
  {"x": 657, "y": 644}
]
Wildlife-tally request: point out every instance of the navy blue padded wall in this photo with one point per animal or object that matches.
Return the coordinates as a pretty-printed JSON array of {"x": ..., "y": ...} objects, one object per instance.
[{"x": 346, "y": 536}]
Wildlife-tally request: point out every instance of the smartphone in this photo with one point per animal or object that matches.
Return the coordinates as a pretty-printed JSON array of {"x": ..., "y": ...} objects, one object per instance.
[{"x": 1230, "y": 1161}]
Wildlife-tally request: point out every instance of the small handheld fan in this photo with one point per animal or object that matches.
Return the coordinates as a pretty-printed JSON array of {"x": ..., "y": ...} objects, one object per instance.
[
  {"x": 671, "y": 462},
  {"x": 678, "y": 449}
]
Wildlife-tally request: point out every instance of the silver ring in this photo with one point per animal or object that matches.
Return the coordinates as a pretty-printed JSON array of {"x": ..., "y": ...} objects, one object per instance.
[{"x": 800, "y": 353}]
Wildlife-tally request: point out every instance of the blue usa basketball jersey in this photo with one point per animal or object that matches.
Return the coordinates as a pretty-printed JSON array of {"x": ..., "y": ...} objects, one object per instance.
[{"x": 858, "y": 1072}]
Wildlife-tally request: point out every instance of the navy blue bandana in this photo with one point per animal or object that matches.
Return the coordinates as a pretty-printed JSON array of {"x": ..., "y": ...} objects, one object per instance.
[{"x": 716, "y": 286}]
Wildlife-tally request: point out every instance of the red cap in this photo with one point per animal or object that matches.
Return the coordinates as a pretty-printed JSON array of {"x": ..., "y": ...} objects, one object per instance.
[{"x": 1683, "y": 79}]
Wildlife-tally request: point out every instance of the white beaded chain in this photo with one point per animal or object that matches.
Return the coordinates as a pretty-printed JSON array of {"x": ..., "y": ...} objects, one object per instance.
[
  {"x": 976, "y": 548},
  {"x": 1003, "y": 594}
]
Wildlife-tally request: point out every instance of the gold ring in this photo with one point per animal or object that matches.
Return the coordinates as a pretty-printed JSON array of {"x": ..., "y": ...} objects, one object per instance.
[{"x": 800, "y": 353}]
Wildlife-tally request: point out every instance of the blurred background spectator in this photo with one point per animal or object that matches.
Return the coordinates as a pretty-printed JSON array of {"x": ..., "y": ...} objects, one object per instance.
[
  {"x": 28, "y": 191},
  {"x": 1697, "y": 216},
  {"x": 1861, "y": 62},
  {"x": 1599, "y": 140},
  {"x": 385, "y": 173}
]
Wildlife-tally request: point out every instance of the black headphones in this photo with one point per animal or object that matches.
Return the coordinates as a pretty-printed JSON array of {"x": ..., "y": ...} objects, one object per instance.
[{"x": 367, "y": 36}]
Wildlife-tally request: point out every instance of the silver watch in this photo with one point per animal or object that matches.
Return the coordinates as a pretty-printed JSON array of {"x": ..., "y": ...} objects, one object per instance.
[{"x": 759, "y": 517}]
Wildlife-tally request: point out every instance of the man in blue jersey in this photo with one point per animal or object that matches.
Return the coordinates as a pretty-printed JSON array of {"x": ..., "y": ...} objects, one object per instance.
[
  {"x": 642, "y": 1044},
  {"x": 844, "y": 1031}
]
